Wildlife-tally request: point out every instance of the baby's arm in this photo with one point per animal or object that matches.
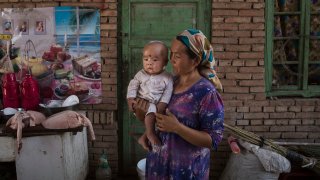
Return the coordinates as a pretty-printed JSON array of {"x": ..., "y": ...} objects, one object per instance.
[{"x": 161, "y": 107}]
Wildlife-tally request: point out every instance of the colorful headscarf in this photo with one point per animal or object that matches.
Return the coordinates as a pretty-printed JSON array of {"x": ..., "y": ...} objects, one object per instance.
[{"x": 197, "y": 42}]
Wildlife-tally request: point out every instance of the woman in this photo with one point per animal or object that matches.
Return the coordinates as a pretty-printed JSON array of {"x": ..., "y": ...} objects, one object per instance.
[{"x": 194, "y": 121}]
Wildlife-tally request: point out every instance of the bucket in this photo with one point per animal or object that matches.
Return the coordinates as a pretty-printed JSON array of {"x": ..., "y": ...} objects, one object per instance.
[{"x": 141, "y": 169}]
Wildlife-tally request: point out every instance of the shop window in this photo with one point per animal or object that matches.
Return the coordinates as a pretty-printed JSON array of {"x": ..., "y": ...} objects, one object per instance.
[{"x": 293, "y": 48}]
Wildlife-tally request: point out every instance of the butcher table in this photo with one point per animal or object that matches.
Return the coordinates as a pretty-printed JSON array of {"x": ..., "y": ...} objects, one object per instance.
[{"x": 49, "y": 154}]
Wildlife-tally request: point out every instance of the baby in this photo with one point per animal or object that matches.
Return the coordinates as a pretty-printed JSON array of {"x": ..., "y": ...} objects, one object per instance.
[{"x": 152, "y": 84}]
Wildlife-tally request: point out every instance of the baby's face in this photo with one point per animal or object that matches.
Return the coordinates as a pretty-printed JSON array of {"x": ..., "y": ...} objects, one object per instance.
[{"x": 153, "y": 60}]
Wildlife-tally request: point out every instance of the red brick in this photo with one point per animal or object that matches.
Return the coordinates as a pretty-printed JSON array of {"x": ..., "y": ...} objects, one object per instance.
[
  {"x": 109, "y": 13},
  {"x": 251, "y": 69},
  {"x": 251, "y": 41},
  {"x": 282, "y": 115},
  {"x": 230, "y": 109},
  {"x": 238, "y": 63},
  {"x": 251, "y": 83},
  {"x": 238, "y": 76},
  {"x": 226, "y": 69},
  {"x": 307, "y": 115},
  {"x": 258, "y": 34},
  {"x": 217, "y": 20},
  {"x": 251, "y": 26},
  {"x": 251, "y": 62},
  {"x": 283, "y": 102},
  {"x": 226, "y": 55},
  {"x": 256, "y": 103},
  {"x": 257, "y": 128},
  {"x": 234, "y": 116},
  {"x": 236, "y": 90},
  {"x": 256, "y": 109},
  {"x": 234, "y": 5},
  {"x": 271, "y": 135},
  {"x": 295, "y": 121},
  {"x": 226, "y": 12},
  {"x": 256, "y": 122},
  {"x": 282, "y": 122},
  {"x": 308, "y": 128},
  {"x": 224, "y": 63},
  {"x": 224, "y": 26},
  {"x": 227, "y": 40},
  {"x": 257, "y": 47},
  {"x": 260, "y": 96},
  {"x": 253, "y": 13},
  {"x": 226, "y": 82},
  {"x": 314, "y": 135},
  {"x": 258, "y": 20},
  {"x": 282, "y": 128},
  {"x": 237, "y": 34},
  {"x": 218, "y": 48},
  {"x": 308, "y": 122},
  {"x": 261, "y": 62},
  {"x": 242, "y": 122},
  {"x": 269, "y": 109},
  {"x": 258, "y": 5},
  {"x": 269, "y": 122},
  {"x": 217, "y": 33},
  {"x": 242, "y": 109},
  {"x": 281, "y": 109},
  {"x": 230, "y": 47},
  {"x": 253, "y": 115},
  {"x": 257, "y": 76},
  {"x": 237, "y": 19},
  {"x": 308, "y": 109},
  {"x": 296, "y": 135},
  {"x": 233, "y": 103},
  {"x": 306, "y": 102}
]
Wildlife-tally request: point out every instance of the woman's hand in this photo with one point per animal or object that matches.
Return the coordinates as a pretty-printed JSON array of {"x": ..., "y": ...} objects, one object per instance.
[
  {"x": 131, "y": 103},
  {"x": 167, "y": 123}
]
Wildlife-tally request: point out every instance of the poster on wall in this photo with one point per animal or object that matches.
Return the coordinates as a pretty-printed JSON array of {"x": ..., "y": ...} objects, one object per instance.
[{"x": 59, "y": 46}]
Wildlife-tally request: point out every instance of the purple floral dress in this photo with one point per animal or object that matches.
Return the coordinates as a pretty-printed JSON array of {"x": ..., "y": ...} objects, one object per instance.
[{"x": 201, "y": 108}]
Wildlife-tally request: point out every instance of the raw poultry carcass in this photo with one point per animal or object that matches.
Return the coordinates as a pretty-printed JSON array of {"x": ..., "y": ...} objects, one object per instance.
[
  {"x": 22, "y": 119},
  {"x": 68, "y": 119}
]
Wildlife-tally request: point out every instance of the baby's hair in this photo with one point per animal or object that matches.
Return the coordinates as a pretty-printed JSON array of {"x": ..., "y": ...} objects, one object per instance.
[{"x": 164, "y": 49}]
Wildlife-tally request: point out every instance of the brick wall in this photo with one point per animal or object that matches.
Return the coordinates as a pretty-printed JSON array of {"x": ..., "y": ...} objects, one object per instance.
[
  {"x": 238, "y": 33},
  {"x": 238, "y": 36},
  {"x": 103, "y": 116}
]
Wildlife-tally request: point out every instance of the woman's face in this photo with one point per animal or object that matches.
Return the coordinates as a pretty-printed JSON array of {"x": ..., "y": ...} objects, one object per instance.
[{"x": 182, "y": 64}]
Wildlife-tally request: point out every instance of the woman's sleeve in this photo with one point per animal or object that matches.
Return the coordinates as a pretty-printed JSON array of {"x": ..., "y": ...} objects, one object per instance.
[{"x": 212, "y": 116}]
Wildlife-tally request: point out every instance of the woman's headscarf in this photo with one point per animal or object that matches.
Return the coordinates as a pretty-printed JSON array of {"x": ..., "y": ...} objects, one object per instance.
[{"x": 197, "y": 42}]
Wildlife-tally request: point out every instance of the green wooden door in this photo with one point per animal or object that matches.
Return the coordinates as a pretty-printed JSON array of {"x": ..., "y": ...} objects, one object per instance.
[{"x": 143, "y": 21}]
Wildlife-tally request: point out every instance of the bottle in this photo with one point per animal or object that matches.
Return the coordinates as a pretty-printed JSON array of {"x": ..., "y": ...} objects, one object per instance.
[
  {"x": 103, "y": 171},
  {"x": 30, "y": 94},
  {"x": 10, "y": 91}
]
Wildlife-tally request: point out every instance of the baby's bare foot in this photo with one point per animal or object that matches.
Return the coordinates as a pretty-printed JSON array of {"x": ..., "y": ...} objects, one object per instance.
[
  {"x": 154, "y": 140},
  {"x": 143, "y": 141}
]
